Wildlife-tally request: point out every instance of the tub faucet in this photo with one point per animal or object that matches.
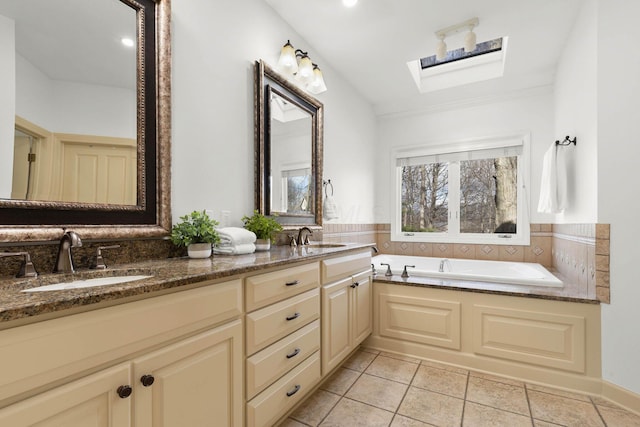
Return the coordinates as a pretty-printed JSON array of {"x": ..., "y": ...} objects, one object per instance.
[
  {"x": 299, "y": 240},
  {"x": 388, "y": 272},
  {"x": 404, "y": 270},
  {"x": 443, "y": 262},
  {"x": 64, "y": 262}
]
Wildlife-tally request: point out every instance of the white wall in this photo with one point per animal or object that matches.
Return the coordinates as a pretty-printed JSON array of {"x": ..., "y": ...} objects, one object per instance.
[
  {"x": 530, "y": 111},
  {"x": 214, "y": 48},
  {"x": 576, "y": 115},
  {"x": 70, "y": 107},
  {"x": 618, "y": 193},
  {"x": 7, "y": 103}
]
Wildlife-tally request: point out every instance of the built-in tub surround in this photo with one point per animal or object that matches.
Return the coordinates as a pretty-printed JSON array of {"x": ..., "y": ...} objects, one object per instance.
[
  {"x": 503, "y": 272},
  {"x": 577, "y": 253}
]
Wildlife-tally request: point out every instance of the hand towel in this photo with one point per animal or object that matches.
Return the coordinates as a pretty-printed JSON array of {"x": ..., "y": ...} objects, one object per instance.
[
  {"x": 330, "y": 208},
  {"x": 553, "y": 183},
  {"x": 244, "y": 248},
  {"x": 236, "y": 236}
]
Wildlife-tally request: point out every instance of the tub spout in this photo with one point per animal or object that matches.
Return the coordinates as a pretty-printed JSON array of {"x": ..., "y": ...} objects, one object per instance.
[{"x": 443, "y": 262}]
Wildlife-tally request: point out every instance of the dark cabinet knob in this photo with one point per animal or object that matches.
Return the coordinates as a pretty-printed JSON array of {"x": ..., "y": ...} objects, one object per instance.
[
  {"x": 124, "y": 391},
  {"x": 147, "y": 380}
]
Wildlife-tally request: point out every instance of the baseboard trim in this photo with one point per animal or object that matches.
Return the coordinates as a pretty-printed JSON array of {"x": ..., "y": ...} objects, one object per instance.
[{"x": 621, "y": 396}]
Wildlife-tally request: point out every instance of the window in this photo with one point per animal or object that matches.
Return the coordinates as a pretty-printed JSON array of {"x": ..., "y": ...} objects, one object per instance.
[{"x": 471, "y": 192}]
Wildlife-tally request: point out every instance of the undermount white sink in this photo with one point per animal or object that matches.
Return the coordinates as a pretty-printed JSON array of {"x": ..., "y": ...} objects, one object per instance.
[{"x": 87, "y": 283}]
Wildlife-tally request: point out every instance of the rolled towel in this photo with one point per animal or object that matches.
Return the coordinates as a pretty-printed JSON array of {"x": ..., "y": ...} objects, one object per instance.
[
  {"x": 236, "y": 236},
  {"x": 244, "y": 248}
]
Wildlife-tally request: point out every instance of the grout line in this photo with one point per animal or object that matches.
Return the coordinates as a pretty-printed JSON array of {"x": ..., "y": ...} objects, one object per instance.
[
  {"x": 526, "y": 395},
  {"x": 464, "y": 399},
  {"x": 598, "y": 411}
]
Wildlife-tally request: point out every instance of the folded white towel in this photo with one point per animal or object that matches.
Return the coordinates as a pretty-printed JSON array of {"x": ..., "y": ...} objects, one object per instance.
[
  {"x": 244, "y": 248},
  {"x": 236, "y": 235},
  {"x": 553, "y": 183}
]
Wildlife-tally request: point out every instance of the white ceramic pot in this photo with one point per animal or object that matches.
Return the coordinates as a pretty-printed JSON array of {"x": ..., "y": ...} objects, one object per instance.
[
  {"x": 199, "y": 250},
  {"x": 263, "y": 244}
]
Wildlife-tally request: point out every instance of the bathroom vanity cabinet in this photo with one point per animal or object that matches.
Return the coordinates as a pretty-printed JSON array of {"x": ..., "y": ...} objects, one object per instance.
[
  {"x": 346, "y": 306},
  {"x": 241, "y": 349},
  {"x": 175, "y": 357}
]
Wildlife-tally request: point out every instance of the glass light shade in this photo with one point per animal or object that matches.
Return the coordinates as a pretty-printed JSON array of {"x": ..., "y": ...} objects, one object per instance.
[
  {"x": 288, "y": 63},
  {"x": 305, "y": 70},
  {"x": 349, "y": 3},
  {"x": 317, "y": 84},
  {"x": 441, "y": 50},
  {"x": 470, "y": 41}
]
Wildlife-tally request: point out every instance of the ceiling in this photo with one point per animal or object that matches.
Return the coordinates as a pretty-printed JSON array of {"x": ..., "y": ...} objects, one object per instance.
[
  {"x": 76, "y": 40},
  {"x": 370, "y": 44}
]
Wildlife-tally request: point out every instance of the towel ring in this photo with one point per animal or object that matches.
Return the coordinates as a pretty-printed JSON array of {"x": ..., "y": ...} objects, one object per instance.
[{"x": 326, "y": 184}]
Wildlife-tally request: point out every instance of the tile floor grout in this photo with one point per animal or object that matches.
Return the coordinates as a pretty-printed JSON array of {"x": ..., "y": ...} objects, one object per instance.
[{"x": 367, "y": 382}]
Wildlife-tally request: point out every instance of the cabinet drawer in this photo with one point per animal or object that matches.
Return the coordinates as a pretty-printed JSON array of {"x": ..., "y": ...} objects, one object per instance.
[
  {"x": 269, "y": 324},
  {"x": 338, "y": 268},
  {"x": 269, "y": 364},
  {"x": 265, "y": 289},
  {"x": 271, "y": 404}
]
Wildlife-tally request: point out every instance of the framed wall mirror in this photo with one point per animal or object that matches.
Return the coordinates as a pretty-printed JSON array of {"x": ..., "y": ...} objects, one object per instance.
[
  {"x": 288, "y": 134},
  {"x": 85, "y": 139}
]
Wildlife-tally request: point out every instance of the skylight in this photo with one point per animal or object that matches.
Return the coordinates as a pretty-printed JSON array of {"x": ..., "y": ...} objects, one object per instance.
[{"x": 460, "y": 68}]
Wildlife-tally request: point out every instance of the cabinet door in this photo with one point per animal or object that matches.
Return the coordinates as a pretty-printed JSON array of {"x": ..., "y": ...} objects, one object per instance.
[
  {"x": 196, "y": 382},
  {"x": 336, "y": 323},
  {"x": 362, "y": 308},
  {"x": 89, "y": 401}
]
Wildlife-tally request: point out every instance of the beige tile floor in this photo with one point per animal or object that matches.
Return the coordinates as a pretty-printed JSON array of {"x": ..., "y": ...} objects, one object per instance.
[{"x": 381, "y": 389}]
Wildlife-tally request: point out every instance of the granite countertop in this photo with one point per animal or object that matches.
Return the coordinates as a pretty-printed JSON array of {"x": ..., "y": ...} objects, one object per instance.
[{"x": 166, "y": 274}]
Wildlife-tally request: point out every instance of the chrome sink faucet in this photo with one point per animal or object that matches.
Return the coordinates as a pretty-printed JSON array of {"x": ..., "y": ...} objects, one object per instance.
[
  {"x": 64, "y": 261},
  {"x": 299, "y": 240}
]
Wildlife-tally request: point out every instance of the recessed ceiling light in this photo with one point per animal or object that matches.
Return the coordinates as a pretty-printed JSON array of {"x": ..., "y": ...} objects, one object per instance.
[
  {"x": 127, "y": 42},
  {"x": 349, "y": 3}
]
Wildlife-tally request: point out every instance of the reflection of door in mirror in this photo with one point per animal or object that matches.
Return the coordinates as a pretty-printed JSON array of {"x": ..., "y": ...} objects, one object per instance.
[
  {"x": 290, "y": 151},
  {"x": 79, "y": 92}
]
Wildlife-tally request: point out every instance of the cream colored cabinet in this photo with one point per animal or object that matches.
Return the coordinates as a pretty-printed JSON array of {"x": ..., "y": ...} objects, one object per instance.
[
  {"x": 346, "y": 318},
  {"x": 195, "y": 382},
  {"x": 89, "y": 401},
  {"x": 177, "y": 360},
  {"x": 346, "y": 306},
  {"x": 282, "y": 341}
]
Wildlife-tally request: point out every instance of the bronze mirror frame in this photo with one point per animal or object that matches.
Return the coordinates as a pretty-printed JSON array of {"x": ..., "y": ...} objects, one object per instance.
[
  {"x": 22, "y": 220},
  {"x": 268, "y": 80}
]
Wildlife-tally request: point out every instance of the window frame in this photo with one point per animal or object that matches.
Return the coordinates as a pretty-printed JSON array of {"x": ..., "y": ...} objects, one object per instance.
[{"x": 453, "y": 235}]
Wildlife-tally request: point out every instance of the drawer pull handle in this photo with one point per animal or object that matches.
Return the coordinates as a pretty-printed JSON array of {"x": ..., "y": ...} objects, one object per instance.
[
  {"x": 295, "y": 316},
  {"x": 294, "y": 391},
  {"x": 353, "y": 285},
  {"x": 295, "y": 282},
  {"x": 293, "y": 353},
  {"x": 124, "y": 391}
]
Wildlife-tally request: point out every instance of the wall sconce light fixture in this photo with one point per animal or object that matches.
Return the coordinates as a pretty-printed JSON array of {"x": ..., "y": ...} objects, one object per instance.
[
  {"x": 469, "y": 38},
  {"x": 295, "y": 62}
]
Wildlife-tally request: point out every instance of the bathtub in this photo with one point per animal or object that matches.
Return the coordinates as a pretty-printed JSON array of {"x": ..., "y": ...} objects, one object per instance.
[{"x": 512, "y": 273}]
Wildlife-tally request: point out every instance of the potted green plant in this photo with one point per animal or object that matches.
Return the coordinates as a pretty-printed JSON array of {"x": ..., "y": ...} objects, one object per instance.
[
  {"x": 197, "y": 232},
  {"x": 264, "y": 228}
]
